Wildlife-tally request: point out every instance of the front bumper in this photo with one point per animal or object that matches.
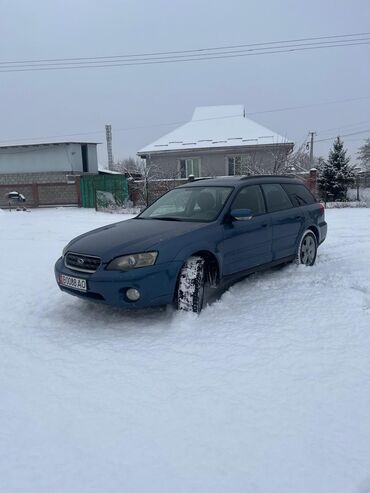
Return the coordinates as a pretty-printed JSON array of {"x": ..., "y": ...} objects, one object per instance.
[{"x": 156, "y": 284}]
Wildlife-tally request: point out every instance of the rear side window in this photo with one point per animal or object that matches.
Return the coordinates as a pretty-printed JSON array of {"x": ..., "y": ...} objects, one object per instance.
[
  {"x": 299, "y": 194},
  {"x": 276, "y": 198},
  {"x": 250, "y": 198}
]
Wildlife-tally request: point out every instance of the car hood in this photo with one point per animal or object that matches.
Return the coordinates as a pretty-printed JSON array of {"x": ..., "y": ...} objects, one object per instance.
[{"x": 131, "y": 236}]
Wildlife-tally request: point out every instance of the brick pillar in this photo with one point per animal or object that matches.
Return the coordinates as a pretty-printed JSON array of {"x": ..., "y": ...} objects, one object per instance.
[
  {"x": 312, "y": 180},
  {"x": 35, "y": 195}
]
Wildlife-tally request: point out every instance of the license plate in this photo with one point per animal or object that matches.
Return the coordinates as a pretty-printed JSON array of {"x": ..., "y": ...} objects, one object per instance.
[{"x": 73, "y": 282}]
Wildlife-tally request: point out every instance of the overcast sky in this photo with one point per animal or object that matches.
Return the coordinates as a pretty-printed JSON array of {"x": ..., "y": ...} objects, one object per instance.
[{"x": 42, "y": 104}]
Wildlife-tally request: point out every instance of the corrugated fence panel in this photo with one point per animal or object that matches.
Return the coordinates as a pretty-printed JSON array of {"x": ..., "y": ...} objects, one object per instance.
[{"x": 116, "y": 184}]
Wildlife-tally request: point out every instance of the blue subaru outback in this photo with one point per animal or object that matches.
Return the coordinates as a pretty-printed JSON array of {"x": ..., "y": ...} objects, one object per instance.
[{"x": 205, "y": 234}]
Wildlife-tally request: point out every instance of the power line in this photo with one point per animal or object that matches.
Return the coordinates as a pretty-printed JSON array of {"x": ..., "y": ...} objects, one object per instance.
[
  {"x": 197, "y": 50},
  {"x": 345, "y": 135},
  {"x": 224, "y": 47},
  {"x": 356, "y": 139},
  {"x": 140, "y": 58},
  {"x": 158, "y": 62},
  {"x": 363, "y": 122},
  {"x": 180, "y": 122},
  {"x": 311, "y": 105},
  {"x": 153, "y": 59}
]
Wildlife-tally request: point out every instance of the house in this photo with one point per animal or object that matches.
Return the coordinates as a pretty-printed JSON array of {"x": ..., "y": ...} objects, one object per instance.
[
  {"x": 55, "y": 157},
  {"x": 46, "y": 173},
  {"x": 218, "y": 141}
]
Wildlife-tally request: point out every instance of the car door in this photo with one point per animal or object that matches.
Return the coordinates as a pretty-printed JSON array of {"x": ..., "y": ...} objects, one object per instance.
[
  {"x": 247, "y": 244},
  {"x": 286, "y": 220}
]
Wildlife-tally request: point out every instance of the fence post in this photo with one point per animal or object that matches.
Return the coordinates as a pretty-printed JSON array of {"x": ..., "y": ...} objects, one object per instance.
[{"x": 78, "y": 190}]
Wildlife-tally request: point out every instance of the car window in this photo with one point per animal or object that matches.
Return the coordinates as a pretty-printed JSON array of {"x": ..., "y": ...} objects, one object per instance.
[
  {"x": 299, "y": 194},
  {"x": 250, "y": 198},
  {"x": 189, "y": 204},
  {"x": 175, "y": 204},
  {"x": 276, "y": 198}
]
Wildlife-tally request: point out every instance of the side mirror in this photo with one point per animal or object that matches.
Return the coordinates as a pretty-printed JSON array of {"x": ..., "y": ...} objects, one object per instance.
[{"x": 242, "y": 214}]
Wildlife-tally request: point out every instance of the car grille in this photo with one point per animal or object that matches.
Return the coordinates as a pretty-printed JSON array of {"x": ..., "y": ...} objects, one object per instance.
[{"x": 82, "y": 263}]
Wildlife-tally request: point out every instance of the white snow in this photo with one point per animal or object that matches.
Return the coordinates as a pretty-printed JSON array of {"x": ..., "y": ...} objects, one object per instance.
[
  {"x": 267, "y": 391},
  {"x": 216, "y": 126},
  {"x": 103, "y": 169}
]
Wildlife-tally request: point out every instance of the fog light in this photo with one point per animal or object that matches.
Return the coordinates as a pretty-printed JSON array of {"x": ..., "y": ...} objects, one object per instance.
[{"x": 133, "y": 294}]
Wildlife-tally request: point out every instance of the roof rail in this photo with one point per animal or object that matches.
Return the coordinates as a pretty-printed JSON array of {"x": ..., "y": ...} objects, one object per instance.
[
  {"x": 201, "y": 178},
  {"x": 267, "y": 176}
]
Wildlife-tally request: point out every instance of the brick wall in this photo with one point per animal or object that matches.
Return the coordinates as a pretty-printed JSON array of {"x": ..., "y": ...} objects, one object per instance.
[
  {"x": 26, "y": 190},
  {"x": 41, "y": 189},
  {"x": 57, "y": 194},
  {"x": 22, "y": 178}
]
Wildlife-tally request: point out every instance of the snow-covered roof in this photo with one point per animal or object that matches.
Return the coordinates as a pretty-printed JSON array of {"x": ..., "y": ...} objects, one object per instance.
[
  {"x": 44, "y": 144},
  {"x": 216, "y": 126},
  {"x": 107, "y": 171}
]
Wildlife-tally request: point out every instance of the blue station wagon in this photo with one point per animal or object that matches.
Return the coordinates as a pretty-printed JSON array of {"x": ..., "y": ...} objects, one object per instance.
[{"x": 207, "y": 233}]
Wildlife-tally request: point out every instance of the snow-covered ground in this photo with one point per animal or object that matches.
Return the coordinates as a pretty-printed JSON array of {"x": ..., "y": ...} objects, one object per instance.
[{"x": 267, "y": 391}]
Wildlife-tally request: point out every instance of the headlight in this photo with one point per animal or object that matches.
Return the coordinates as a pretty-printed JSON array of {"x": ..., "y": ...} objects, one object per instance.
[{"x": 134, "y": 261}]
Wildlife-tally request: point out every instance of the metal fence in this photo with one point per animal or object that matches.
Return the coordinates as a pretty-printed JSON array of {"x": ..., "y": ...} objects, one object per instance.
[{"x": 111, "y": 188}]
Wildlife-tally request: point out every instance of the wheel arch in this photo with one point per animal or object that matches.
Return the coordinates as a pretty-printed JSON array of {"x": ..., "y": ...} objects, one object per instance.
[
  {"x": 212, "y": 265},
  {"x": 315, "y": 231}
]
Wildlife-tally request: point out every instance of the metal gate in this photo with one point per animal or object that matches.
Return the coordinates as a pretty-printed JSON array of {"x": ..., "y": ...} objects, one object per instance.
[{"x": 114, "y": 184}]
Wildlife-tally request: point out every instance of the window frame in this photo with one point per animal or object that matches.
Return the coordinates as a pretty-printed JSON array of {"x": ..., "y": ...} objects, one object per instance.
[
  {"x": 186, "y": 167},
  {"x": 262, "y": 195},
  {"x": 314, "y": 200}
]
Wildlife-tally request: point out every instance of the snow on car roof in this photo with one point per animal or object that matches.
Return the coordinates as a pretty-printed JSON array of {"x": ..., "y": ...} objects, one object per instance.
[{"x": 216, "y": 126}]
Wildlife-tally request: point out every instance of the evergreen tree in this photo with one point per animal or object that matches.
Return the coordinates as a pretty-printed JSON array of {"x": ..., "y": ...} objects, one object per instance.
[{"x": 336, "y": 174}]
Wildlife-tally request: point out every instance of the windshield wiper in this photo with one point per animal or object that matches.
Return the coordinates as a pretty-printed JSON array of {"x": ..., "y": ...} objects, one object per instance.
[{"x": 166, "y": 218}]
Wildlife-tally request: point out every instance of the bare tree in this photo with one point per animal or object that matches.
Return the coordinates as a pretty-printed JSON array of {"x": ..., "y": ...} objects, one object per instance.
[
  {"x": 297, "y": 160},
  {"x": 147, "y": 182},
  {"x": 364, "y": 155},
  {"x": 280, "y": 155},
  {"x": 129, "y": 166},
  {"x": 254, "y": 162}
]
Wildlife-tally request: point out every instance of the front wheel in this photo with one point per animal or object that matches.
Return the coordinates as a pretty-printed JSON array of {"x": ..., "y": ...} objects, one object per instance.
[
  {"x": 190, "y": 292},
  {"x": 307, "y": 250}
]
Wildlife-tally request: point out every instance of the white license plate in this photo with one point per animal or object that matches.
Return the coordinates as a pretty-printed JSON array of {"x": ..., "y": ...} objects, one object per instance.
[{"x": 73, "y": 282}]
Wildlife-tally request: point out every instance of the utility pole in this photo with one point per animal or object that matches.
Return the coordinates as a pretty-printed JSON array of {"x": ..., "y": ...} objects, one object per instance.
[
  {"x": 108, "y": 134},
  {"x": 311, "y": 148}
]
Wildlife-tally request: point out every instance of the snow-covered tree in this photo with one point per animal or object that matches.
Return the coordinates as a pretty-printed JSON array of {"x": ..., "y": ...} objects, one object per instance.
[
  {"x": 336, "y": 175},
  {"x": 364, "y": 155}
]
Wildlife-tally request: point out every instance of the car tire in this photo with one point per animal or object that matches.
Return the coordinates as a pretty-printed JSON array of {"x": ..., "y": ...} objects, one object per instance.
[
  {"x": 307, "y": 249},
  {"x": 190, "y": 291}
]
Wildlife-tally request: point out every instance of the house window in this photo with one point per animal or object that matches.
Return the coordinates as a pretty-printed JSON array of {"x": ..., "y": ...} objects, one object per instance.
[
  {"x": 189, "y": 167},
  {"x": 239, "y": 165}
]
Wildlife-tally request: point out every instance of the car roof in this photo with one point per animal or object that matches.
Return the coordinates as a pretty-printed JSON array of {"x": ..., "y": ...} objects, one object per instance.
[{"x": 239, "y": 181}]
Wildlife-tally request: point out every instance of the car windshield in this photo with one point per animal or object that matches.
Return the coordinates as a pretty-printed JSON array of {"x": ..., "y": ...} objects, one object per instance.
[{"x": 201, "y": 204}]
